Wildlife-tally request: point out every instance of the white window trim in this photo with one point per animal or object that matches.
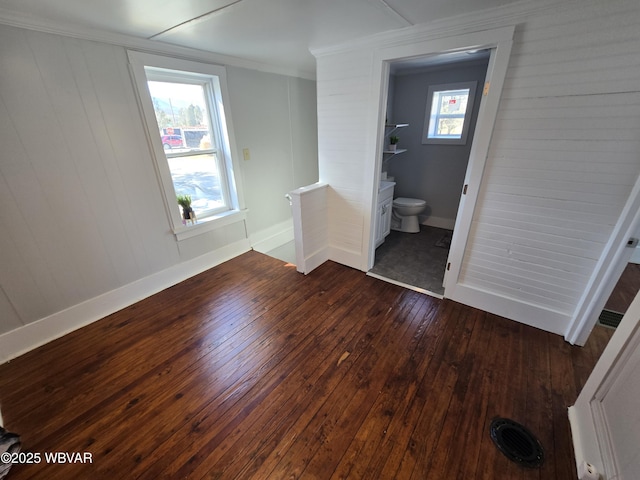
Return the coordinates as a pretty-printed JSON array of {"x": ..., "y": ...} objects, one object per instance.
[
  {"x": 467, "y": 115},
  {"x": 137, "y": 62}
]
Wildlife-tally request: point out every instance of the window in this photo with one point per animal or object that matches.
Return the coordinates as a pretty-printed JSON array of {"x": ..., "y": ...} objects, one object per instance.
[
  {"x": 448, "y": 113},
  {"x": 183, "y": 104}
]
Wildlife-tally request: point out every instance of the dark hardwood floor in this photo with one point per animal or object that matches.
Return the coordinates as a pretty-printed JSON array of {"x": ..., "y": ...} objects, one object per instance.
[
  {"x": 253, "y": 371},
  {"x": 625, "y": 290}
]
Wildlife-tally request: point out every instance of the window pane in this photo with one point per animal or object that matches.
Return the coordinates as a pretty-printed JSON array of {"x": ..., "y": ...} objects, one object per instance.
[
  {"x": 448, "y": 112},
  {"x": 453, "y": 102},
  {"x": 448, "y": 109},
  {"x": 198, "y": 176},
  {"x": 182, "y": 116},
  {"x": 448, "y": 127}
]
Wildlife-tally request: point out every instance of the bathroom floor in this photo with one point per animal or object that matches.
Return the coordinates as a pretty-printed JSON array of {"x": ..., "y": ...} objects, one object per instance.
[{"x": 415, "y": 259}]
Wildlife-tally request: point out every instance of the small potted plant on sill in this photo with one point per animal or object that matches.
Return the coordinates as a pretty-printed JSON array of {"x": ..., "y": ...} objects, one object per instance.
[
  {"x": 188, "y": 215},
  {"x": 393, "y": 142}
]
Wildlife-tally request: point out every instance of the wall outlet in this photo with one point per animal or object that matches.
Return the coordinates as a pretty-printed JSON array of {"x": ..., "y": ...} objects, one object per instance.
[{"x": 586, "y": 471}]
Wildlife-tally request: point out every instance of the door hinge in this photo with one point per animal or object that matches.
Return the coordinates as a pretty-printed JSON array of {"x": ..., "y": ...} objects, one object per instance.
[
  {"x": 464, "y": 190},
  {"x": 448, "y": 266},
  {"x": 485, "y": 91}
]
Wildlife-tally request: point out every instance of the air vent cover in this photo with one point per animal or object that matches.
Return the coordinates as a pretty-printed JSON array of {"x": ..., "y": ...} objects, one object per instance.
[
  {"x": 609, "y": 318},
  {"x": 516, "y": 442}
]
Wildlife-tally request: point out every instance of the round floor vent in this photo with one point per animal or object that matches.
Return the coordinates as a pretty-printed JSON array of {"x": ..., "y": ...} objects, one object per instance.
[{"x": 516, "y": 442}]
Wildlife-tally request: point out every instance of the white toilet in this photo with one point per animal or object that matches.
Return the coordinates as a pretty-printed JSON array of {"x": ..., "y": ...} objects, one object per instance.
[{"x": 405, "y": 214}]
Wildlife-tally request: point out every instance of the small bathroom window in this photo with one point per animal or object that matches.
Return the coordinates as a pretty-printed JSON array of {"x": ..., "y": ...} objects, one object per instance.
[{"x": 448, "y": 113}]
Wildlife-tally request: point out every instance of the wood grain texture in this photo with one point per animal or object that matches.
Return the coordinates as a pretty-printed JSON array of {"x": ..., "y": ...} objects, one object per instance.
[
  {"x": 625, "y": 290},
  {"x": 251, "y": 370}
]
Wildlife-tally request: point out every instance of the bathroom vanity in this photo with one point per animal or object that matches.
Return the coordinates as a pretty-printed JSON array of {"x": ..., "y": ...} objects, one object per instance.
[{"x": 383, "y": 212}]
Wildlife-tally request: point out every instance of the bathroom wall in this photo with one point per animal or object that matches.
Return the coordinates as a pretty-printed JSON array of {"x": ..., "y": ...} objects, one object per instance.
[{"x": 434, "y": 173}]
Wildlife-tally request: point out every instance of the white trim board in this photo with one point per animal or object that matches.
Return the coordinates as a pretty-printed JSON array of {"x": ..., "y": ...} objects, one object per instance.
[
  {"x": 500, "y": 41},
  {"x": 273, "y": 237},
  {"x": 21, "y": 340},
  {"x": 522, "y": 312},
  {"x": 611, "y": 264},
  {"x": 405, "y": 285},
  {"x": 591, "y": 436}
]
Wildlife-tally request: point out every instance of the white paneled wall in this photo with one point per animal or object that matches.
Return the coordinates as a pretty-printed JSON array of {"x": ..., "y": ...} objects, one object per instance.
[
  {"x": 345, "y": 151},
  {"x": 83, "y": 224},
  {"x": 309, "y": 205},
  {"x": 81, "y": 207},
  {"x": 563, "y": 157}
]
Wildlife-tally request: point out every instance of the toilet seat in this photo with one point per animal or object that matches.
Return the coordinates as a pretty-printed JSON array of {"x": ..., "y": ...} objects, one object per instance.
[{"x": 408, "y": 202}]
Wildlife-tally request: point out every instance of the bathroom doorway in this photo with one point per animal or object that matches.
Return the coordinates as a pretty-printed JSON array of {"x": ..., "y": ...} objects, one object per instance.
[{"x": 431, "y": 171}]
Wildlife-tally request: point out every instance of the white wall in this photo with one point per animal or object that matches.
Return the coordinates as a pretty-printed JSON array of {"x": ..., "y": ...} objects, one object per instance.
[
  {"x": 564, "y": 155},
  {"x": 434, "y": 173},
  {"x": 81, "y": 209},
  {"x": 274, "y": 117}
]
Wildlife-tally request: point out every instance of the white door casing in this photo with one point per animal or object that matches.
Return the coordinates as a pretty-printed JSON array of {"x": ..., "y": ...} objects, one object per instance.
[
  {"x": 499, "y": 41},
  {"x": 612, "y": 262},
  {"x": 605, "y": 420}
]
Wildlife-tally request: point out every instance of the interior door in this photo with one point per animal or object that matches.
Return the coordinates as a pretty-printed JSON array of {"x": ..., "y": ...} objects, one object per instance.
[{"x": 605, "y": 421}]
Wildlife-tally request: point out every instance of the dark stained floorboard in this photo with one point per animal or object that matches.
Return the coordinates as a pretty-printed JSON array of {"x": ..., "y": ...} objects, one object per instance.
[{"x": 253, "y": 371}]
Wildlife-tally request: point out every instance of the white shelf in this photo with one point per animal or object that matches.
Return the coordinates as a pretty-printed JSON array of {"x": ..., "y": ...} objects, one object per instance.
[
  {"x": 394, "y": 152},
  {"x": 393, "y": 127}
]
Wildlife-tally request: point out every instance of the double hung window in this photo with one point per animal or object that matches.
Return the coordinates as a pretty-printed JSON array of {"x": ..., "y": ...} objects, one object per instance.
[
  {"x": 183, "y": 104},
  {"x": 448, "y": 113}
]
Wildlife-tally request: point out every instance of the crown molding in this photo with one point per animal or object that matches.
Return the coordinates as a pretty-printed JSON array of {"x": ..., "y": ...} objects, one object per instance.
[{"x": 15, "y": 19}]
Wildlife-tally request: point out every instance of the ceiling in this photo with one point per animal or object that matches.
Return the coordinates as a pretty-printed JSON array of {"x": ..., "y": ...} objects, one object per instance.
[{"x": 272, "y": 32}]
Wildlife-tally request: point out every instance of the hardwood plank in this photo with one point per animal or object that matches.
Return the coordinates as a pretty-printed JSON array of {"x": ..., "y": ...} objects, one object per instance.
[
  {"x": 625, "y": 290},
  {"x": 371, "y": 439},
  {"x": 284, "y": 376},
  {"x": 251, "y": 370}
]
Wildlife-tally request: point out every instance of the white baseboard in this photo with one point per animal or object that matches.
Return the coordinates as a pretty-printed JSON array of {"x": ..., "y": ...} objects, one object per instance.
[
  {"x": 30, "y": 336},
  {"x": 513, "y": 309},
  {"x": 576, "y": 437},
  {"x": 313, "y": 261},
  {"x": 346, "y": 257},
  {"x": 273, "y": 237}
]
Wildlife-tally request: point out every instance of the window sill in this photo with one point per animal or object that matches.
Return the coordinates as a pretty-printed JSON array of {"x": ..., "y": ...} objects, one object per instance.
[{"x": 209, "y": 224}]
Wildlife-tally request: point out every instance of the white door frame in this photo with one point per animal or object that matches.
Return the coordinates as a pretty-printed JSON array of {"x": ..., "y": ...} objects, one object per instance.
[
  {"x": 499, "y": 41},
  {"x": 592, "y": 437},
  {"x": 615, "y": 254},
  {"x": 612, "y": 263}
]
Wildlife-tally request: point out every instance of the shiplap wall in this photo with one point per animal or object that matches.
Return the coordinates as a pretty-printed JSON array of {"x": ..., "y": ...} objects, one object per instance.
[
  {"x": 344, "y": 150},
  {"x": 564, "y": 155},
  {"x": 563, "y": 158},
  {"x": 309, "y": 205},
  {"x": 81, "y": 212}
]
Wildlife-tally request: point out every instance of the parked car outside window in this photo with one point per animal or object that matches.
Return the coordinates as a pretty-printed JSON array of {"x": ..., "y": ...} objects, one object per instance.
[{"x": 171, "y": 141}]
